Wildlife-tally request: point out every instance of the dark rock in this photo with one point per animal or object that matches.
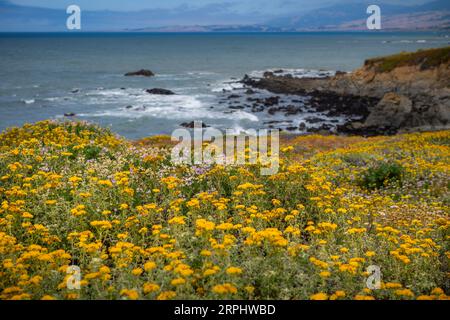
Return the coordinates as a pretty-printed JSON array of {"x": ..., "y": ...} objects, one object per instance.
[
  {"x": 190, "y": 125},
  {"x": 233, "y": 96},
  {"x": 70, "y": 114},
  {"x": 160, "y": 91},
  {"x": 340, "y": 73},
  {"x": 334, "y": 104},
  {"x": 356, "y": 128},
  {"x": 142, "y": 72},
  {"x": 400, "y": 113},
  {"x": 129, "y": 107},
  {"x": 289, "y": 110},
  {"x": 391, "y": 111},
  {"x": 302, "y": 126},
  {"x": 272, "y": 111},
  {"x": 278, "y": 121},
  {"x": 250, "y": 91},
  {"x": 257, "y": 108},
  {"x": 323, "y": 129},
  {"x": 236, "y": 107},
  {"x": 271, "y": 101},
  {"x": 314, "y": 120}
]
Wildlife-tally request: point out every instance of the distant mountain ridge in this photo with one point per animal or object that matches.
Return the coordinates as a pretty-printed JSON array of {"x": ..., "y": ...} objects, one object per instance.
[
  {"x": 342, "y": 17},
  {"x": 353, "y": 16},
  {"x": 28, "y": 18}
]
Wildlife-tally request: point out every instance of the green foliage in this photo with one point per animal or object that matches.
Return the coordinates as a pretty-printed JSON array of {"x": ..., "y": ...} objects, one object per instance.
[
  {"x": 91, "y": 152},
  {"x": 441, "y": 141},
  {"x": 381, "y": 175},
  {"x": 426, "y": 59}
]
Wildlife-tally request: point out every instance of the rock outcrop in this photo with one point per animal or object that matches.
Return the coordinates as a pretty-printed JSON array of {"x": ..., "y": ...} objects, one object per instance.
[
  {"x": 403, "y": 92},
  {"x": 142, "y": 72},
  {"x": 414, "y": 89},
  {"x": 160, "y": 91},
  {"x": 191, "y": 125}
]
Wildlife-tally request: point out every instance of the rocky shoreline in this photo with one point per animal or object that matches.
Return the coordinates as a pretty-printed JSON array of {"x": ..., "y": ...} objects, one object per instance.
[
  {"x": 406, "y": 92},
  {"x": 330, "y": 103},
  {"x": 401, "y": 93}
]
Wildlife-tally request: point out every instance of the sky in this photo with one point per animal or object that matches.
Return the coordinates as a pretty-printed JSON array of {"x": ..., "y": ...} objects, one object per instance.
[
  {"x": 131, "y": 5},
  {"x": 239, "y": 6}
]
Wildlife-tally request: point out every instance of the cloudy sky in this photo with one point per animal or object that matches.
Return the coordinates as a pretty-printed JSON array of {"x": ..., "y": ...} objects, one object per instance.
[{"x": 240, "y": 6}]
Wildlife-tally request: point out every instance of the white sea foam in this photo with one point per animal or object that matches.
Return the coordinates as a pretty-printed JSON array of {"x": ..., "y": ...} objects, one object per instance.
[
  {"x": 52, "y": 99},
  {"x": 184, "y": 76},
  {"x": 180, "y": 107},
  {"x": 296, "y": 73},
  {"x": 28, "y": 101},
  {"x": 227, "y": 85},
  {"x": 108, "y": 92},
  {"x": 201, "y": 73}
]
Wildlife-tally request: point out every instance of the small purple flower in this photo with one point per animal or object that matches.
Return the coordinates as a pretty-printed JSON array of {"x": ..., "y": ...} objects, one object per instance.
[{"x": 199, "y": 170}]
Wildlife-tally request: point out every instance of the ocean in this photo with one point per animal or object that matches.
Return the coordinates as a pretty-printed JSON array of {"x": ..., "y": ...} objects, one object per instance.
[{"x": 44, "y": 76}]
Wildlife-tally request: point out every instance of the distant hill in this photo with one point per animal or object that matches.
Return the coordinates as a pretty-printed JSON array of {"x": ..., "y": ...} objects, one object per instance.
[
  {"x": 211, "y": 28},
  {"x": 345, "y": 16},
  {"x": 352, "y": 16},
  {"x": 28, "y": 18}
]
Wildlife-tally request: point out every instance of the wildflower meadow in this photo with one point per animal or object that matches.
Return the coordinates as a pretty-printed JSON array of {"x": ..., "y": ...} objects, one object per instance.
[{"x": 85, "y": 214}]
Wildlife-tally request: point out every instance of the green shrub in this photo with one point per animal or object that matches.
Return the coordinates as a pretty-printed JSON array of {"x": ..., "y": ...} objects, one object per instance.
[
  {"x": 381, "y": 175},
  {"x": 92, "y": 152}
]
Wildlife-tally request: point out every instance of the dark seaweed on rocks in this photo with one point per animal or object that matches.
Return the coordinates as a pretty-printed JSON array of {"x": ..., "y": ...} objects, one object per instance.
[
  {"x": 401, "y": 93},
  {"x": 334, "y": 104}
]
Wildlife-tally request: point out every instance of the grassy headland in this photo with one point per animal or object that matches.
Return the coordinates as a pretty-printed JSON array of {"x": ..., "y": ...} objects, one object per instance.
[{"x": 426, "y": 59}]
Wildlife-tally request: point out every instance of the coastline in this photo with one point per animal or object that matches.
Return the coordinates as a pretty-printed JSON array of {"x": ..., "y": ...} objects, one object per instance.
[
  {"x": 97, "y": 90},
  {"x": 400, "y": 93}
]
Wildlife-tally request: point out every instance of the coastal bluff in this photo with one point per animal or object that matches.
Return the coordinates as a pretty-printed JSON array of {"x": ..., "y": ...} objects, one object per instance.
[{"x": 411, "y": 92}]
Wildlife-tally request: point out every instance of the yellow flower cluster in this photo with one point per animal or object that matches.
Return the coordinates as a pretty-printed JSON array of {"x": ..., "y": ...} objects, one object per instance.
[{"x": 87, "y": 215}]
